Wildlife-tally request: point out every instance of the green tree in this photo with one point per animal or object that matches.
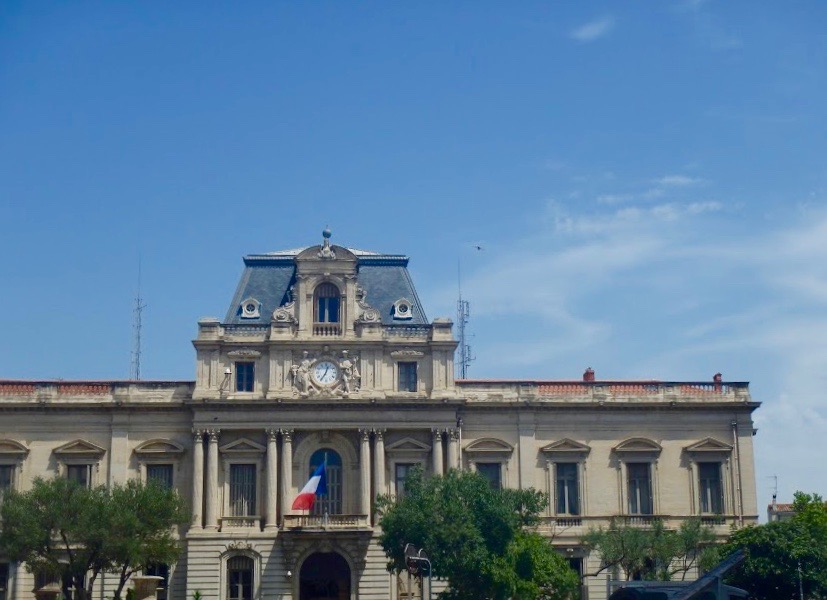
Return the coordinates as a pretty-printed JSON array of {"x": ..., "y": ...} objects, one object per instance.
[
  {"x": 69, "y": 531},
  {"x": 653, "y": 552},
  {"x": 142, "y": 521},
  {"x": 776, "y": 551},
  {"x": 480, "y": 540}
]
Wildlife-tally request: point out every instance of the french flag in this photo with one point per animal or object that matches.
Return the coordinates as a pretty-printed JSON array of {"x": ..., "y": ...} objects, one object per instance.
[{"x": 316, "y": 486}]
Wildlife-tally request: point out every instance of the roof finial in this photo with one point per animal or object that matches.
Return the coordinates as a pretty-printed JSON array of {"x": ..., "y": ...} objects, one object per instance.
[{"x": 326, "y": 252}]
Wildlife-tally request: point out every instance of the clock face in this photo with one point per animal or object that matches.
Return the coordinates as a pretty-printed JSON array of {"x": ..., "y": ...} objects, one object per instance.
[{"x": 325, "y": 372}]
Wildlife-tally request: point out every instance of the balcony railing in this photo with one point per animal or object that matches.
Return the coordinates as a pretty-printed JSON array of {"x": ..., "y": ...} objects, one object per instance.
[
  {"x": 326, "y": 522},
  {"x": 248, "y": 522},
  {"x": 576, "y": 526},
  {"x": 327, "y": 329}
]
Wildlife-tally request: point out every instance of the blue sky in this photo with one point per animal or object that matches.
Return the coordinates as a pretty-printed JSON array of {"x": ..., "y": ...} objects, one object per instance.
[{"x": 648, "y": 182}]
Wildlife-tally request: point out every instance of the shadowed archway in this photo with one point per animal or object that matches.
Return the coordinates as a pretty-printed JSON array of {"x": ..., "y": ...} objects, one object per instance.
[{"x": 324, "y": 576}]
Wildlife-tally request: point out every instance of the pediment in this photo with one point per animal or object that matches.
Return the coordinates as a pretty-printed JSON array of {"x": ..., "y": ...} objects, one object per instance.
[
  {"x": 407, "y": 445},
  {"x": 242, "y": 445},
  {"x": 10, "y": 448},
  {"x": 489, "y": 445},
  {"x": 160, "y": 446},
  {"x": 80, "y": 448},
  {"x": 709, "y": 445},
  {"x": 567, "y": 445},
  {"x": 638, "y": 444}
]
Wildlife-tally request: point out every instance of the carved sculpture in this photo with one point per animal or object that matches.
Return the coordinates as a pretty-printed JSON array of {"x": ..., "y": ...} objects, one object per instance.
[
  {"x": 301, "y": 374},
  {"x": 350, "y": 373}
]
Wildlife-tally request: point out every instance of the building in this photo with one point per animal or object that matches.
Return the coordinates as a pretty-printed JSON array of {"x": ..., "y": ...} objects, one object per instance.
[{"x": 326, "y": 354}]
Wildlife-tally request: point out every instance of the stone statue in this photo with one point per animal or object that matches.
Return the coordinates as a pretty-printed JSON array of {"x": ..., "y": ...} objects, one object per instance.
[
  {"x": 350, "y": 373},
  {"x": 301, "y": 374}
]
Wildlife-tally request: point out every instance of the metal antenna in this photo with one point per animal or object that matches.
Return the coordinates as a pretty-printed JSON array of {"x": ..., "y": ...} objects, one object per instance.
[
  {"x": 463, "y": 314},
  {"x": 135, "y": 368}
]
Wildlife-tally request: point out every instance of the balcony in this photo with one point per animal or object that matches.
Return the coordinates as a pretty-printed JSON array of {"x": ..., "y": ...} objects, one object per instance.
[
  {"x": 327, "y": 329},
  {"x": 249, "y": 522},
  {"x": 326, "y": 522}
]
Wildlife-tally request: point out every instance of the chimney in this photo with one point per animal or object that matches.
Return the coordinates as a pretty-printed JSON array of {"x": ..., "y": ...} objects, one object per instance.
[{"x": 588, "y": 375}]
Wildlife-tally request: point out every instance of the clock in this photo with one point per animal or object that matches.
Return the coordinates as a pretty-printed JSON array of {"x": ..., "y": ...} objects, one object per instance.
[{"x": 325, "y": 372}]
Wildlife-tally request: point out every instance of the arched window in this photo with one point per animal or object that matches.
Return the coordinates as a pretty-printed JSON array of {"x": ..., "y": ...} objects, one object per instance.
[
  {"x": 240, "y": 571},
  {"x": 326, "y": 304},
  {"x": 330, "y": 503}
]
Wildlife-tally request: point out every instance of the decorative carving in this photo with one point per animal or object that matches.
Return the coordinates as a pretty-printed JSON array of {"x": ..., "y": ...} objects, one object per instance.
[
  {"x": 286, "y": 435},
  {"x": 345, "y": 378},
  {"x": 239, "y": 545},
  {"x": 272, "y": 434},
  {"x": 379, "y": 433},
  {"x": 364, "y": 434},
  {"x": 407, "y": 353},
  {"x": 326, "y": 251},
  {"x": 212, "y": 435},
  {"x": 367, "y": 314},
  {"x": 198, "y": 436},
  {"x": 285, "y": 314},
  {"x": 244, "y": 353}
]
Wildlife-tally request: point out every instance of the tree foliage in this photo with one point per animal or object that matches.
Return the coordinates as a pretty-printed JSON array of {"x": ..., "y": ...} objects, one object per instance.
[
  {"x": 775, "y": 552},
  {"x": 653, "y": 552},
  {"x": 480, "y": 540},
  {"x": 65, "y": 530}
]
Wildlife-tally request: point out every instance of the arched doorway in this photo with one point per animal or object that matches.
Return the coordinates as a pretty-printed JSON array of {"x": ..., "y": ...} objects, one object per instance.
[{"x": 324, "y": 576}]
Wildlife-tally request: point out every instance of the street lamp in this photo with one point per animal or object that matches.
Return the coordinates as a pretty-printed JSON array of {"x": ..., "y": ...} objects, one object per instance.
[{"x": 419, "y": 565}]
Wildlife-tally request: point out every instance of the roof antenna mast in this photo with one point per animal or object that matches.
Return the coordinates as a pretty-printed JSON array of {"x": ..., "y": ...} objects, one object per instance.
[
  {"x": 463, "y": 314},
  {"x": 135, "y": 367}
]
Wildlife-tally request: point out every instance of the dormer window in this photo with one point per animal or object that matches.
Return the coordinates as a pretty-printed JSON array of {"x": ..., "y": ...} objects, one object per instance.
[
  {"x": 250, "y": 309},
  {"x": 327, "y": 300},
  {"x": 402, "y": 309}
]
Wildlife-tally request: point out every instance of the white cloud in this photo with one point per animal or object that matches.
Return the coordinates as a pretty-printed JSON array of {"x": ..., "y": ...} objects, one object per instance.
[
  {"x": 677, "y": 180},
  {"x": 663, "y": 291},
  {"x": 593, "y": 30}
]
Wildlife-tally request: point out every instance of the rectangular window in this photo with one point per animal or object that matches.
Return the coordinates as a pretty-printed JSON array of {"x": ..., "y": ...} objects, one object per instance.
[
  {"x": 6, "y": 481},
  {"x": 159, "y": 570},
  {"x": 493, "y": 473},
  {"x": 568, "y": 494},
  {"x": 80, "y": 474},
  {"x": 407, "y": 376},
  {"x": 244, "y": 376},
  {"x": 242, "y": 490},
  {"x": 402, "y": 471},
  {"x": 640, "y": 488},
  {"x": 161, "y": 474},
  {"x": 712, "y": 496},
  {"x": 4, "y": 581}
]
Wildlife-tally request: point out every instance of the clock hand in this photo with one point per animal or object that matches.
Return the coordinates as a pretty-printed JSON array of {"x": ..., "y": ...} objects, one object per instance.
[{"x": 326, "y": 369}]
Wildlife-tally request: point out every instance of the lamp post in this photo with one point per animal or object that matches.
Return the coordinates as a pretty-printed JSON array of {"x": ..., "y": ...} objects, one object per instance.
[{"x": 419, "y": 565}]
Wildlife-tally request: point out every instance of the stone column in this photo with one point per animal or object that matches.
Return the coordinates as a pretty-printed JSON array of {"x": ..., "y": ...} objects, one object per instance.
[
  {"x": 379, "y": 461},
  {"x": 212, "y": 479},
  {"x": 272, "y": 480},
  {"x": 453, "y": 449},
  {"x": 364, "y": 471},
  {"x": 286, "y": 470},
  {"x": 197, "y": 478},
  {"x": 436, "y": 453}
]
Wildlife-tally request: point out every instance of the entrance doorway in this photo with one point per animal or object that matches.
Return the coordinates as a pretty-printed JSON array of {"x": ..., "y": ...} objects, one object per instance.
[{"x": 324, "y": 576}]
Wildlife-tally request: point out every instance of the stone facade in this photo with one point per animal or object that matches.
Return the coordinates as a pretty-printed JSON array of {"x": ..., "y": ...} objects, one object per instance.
[{"x": 326, "y": 352}]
